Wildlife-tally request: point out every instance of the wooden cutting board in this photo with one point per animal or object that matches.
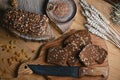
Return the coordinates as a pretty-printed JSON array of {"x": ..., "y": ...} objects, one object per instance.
[
  {"x": 30, "y": 50},
  {"x": 22, "y": 72}
]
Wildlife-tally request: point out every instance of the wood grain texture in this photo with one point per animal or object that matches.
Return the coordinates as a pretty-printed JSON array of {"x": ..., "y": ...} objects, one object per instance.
[
  {"x": 114, "y": 56},
  {"x": 42, "y": 57},
  {"x": 114, "y": 52},
  {"x": 64, "y": 22}
]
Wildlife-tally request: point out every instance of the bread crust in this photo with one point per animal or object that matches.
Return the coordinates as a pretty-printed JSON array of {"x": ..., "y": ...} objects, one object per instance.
[
  {"x": 92, "y": 55},
  {"x": 25, "y": 24}
]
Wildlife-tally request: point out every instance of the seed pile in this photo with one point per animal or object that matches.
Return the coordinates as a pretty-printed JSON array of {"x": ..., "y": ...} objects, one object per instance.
[
  {"x": 12, "y": 54},
  {"x": 19, "y": 56}
]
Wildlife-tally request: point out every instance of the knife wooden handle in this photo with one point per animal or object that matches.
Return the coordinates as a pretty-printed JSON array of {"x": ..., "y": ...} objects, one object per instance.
[{"x": 96, "y": 71}]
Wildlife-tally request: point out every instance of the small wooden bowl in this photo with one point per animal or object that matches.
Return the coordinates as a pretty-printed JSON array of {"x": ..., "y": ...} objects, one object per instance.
[{"x": 61, "y": 12}]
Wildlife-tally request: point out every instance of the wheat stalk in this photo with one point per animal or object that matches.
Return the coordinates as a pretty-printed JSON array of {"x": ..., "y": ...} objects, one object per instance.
[
  {"x": 98, "y": 24},
  {"x": 94, "y": 31}
]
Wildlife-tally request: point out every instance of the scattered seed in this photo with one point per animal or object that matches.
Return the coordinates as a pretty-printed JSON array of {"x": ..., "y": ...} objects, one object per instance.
[
  {"x": 10, "y": 42},
  {"x": 17, "y": 54},
  {"x": 14, "y": 46},
  {"x": 22, "y": 50},
  {"x": 3, "y": 49},
  {"x": 10, "y": 61},
  {"x": 14, "y": 41},
  {"x": 12, "y": 58},
  {"x": 7, "y": 46},
  {"x": 8, "y": 50},
  {"x": 17, "y": 59},
  {"x": 10, "y": 47},
  {"x": 26, "y": 56},
  {"x": 2, "y": 59},
  {"x": 29, "y": 58}
]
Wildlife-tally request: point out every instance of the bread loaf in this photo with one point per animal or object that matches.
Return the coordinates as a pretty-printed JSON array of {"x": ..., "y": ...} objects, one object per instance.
[{"x": 25, "y": 24}]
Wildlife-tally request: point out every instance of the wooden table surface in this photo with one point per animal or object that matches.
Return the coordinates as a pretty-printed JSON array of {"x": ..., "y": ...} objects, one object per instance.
[{"x": 114, "y": 52}]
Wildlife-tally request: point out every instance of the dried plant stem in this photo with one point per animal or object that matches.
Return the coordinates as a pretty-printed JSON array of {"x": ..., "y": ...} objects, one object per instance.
[
  {"x": 94, "y": 31},
  {"x": 98, "y": 24},
  {"x": 94, "y": 22}
]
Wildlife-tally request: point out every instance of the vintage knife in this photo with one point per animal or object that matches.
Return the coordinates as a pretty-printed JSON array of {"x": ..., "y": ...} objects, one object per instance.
[{"x": 64, "y": 71}]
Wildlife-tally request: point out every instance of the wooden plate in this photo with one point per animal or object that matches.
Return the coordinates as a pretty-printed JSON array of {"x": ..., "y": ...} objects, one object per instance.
[{"x": 62, "y": 21}]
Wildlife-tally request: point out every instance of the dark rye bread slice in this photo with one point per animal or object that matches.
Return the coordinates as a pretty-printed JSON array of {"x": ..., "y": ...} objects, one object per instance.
[
  {"x": 57, "y": 55},
  {"x": 74, "y": 45},
  {"x": 72, "y": 50},
  {"x": 102, "y": 56},
  {"x": 92, "y": 55},
  {"x": 80, "y": 37},
  {"x": 30, "y": 26}
]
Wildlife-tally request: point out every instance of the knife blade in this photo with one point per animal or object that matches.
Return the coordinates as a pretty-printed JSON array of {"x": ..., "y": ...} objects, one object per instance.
[
  {"x": 62, "y": 71},
  {"x": 55, "y": 70}
]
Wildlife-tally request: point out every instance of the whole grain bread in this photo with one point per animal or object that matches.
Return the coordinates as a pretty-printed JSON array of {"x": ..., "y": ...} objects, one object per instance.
[
  {"x": 74, "y": 45},
  {"x": 79, "y": 37},
  {"x": 102, "y": 56},
  {"x": 92, "y": 55},
  {"x": 30, "y": 26},
  {"x": 71, "y": 47},
  {"x": 57, "y": 55},
  {"x": 72, "y": 50}
]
